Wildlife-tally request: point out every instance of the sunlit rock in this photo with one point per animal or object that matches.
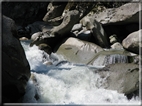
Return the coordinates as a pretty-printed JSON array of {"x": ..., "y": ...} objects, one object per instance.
[
  {"x": 127, "y": 13},
  {"x": 133, "y": 42},
  {"x": 122, "y": 77},
  {"x": 78, "y": 51}
]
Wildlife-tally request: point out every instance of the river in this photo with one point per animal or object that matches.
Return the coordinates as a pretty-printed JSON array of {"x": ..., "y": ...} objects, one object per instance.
[{"x": 66, "y": 83}]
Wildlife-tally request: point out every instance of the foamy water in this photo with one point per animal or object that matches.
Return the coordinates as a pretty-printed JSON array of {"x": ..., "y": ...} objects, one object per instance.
[{"x": 66, "y": 83}]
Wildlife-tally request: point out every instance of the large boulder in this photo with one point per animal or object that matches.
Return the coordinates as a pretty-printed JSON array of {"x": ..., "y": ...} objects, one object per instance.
[
  {"x": 77, "y": 51},
  {"x": 121, "y": 21},
  {"x": 71, "y": 18},
  {"x": 127, "y": 13},
  {"x": 132, "y": 42},
  {"x": 50, "y": 36},
  {"x": 100, "y": 37},
  {"x": 15, "y": 67},
  {"x": 123, "y": 77}
]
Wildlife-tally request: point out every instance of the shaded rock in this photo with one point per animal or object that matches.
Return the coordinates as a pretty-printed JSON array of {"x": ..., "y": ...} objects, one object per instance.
[
  {"x": 45, "y": 47},
  {"x": 134, "y": 94},
  {"x": 39, "y": 26},
  {"x": 77, "y": 51},
  {"x": 115, "y": 42},
  {"x": 15, "y": 67},
  {"x": 137, "y": 59},
  {"x": 121, "y": 31},
  {"x": 113, "y": 39},
  {"x": 100, "y": 37},
  {"x": 122, "y": 77},
  {"x": 55, "y": 21},
  {"x": 44, "y": 38},
  {"x": 24, "y": 13},
  {"x": 24, "y": 32},
  {"x": 131, "y": 42},
  {"x": 31, "y": 29},
  {"x": 127, "y": 13},
  {"x": 57, "y": 32}
]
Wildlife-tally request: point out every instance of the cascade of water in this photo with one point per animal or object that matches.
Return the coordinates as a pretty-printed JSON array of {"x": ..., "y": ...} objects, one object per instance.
[
  {"x": 110, "y": 57},
  {"x": 67, "y": 84},
  {"x": 115, "y": 58}
]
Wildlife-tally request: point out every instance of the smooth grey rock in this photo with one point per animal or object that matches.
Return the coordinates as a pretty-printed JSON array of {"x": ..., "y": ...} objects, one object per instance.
[
  {"x": 77, "y": 51},
  {"x": 132, "y": 42},
  {"x": 44, "y": 38},
  {"x": 122, "y": 77},
  {"x": 45, "y": 48}
]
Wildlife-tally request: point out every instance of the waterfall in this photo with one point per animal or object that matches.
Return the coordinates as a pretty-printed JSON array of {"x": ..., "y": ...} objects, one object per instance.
[
  {"x": 115, "y": 58},
  {"x": 110, "y": 57}
]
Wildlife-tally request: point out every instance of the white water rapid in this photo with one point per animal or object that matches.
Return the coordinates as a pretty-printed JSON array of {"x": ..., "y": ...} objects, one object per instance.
[{"x": 66, "y": 83}]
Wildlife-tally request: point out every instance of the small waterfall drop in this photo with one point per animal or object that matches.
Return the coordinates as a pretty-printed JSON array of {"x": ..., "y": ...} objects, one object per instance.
[
  {"x": 110, "y": 57},
  {"x": 115, "y": 58}
]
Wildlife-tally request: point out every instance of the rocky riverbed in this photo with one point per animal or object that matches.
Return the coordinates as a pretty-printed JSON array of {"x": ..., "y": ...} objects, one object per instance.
[{"x": 107, "y": 43}]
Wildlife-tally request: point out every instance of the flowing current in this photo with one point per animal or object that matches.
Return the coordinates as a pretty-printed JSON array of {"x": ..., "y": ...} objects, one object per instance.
[{"x": 64, "y": 83}]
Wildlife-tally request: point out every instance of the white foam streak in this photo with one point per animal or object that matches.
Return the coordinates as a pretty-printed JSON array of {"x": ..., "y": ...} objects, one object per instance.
[{"x": 73, "y": 87}]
